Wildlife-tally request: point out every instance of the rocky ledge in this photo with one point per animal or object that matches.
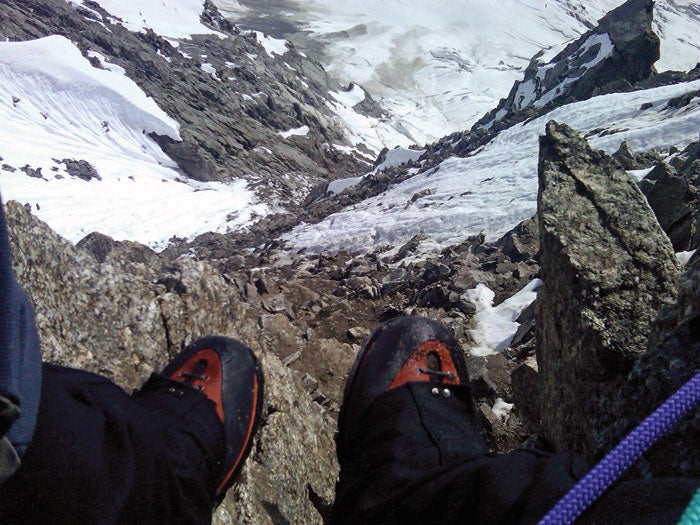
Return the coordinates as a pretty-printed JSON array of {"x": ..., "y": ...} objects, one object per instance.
[{"x": 592, "y": 372}]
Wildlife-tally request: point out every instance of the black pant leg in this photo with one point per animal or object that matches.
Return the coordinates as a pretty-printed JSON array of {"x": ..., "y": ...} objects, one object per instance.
[
  {"x": 101, "y": 456},
  {"x": 419, "y": 458}
]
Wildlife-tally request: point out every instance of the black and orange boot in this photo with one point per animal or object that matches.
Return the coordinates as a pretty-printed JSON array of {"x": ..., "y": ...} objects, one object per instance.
[
  {"x": 404, "y": 350},
  {"x": 228, "y": 373},
  {"x": 407, "y": 417}
]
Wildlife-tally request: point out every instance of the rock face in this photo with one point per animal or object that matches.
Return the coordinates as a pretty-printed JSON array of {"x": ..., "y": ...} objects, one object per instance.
[
  {"x": 126, "y": 319},
  {"x": 608, "y": 269},
  {"x": 620, "y": 51},
  {"x": 231, "y": 98},
  {"x": 672, "y": 358},
  {"x": 673, "y": 192}
]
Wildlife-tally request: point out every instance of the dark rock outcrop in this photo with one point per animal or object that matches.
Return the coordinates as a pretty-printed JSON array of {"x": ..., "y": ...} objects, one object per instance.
[
  {"x": 81, "y": 169},
  {"x": 673, "y": 192},
  {"x": 522, "y": 242},
  {"x": 619, "y": 52},
  {"x": 103, "y": 248},
  {"x": 673, "y": 357},
  {"x": 608, "y": 269},
  {"x": 630, "y": 160}
]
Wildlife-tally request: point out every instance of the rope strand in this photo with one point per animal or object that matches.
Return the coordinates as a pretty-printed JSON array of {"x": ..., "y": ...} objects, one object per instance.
[{"x": 620, "y": 458}]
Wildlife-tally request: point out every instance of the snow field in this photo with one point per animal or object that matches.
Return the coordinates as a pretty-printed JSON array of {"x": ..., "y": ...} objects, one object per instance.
[
  {"x": 173, "y": 19},
  {"x": 437, "y": 67},
  {"x": 273, "y": 46},
  {"x": 496, "y": 188},
  {"x": 60, "y": 107}
]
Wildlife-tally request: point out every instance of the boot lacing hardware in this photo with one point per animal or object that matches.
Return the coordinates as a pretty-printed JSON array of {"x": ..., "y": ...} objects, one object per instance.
[
  {"x": 195, "y": 375},
  {"x": 435, "y": 367},
  {"x": 437, "y": 373}
]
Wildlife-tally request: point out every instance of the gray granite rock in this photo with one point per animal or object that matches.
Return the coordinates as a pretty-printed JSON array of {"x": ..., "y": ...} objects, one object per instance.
[
  {"x": 607, "y": 269},
  {"x": 126, "y": 319}
]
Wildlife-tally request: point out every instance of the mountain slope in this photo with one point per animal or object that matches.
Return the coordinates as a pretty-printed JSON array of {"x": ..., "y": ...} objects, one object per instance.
[
  {"x": 262, "y": 126},
  {"x": 496, "y": 187},
  {"x": 438, "y": 67},
  {"x": 72, "y": 110},
  {"x": 254, "y": 126}
]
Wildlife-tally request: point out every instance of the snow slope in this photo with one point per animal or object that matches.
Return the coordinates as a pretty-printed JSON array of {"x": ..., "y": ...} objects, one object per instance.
[
  {"x": 496, "y": 188},
  {"x": 173, "y": 19},
  {"x": 437, "y": 65},
  {"x": 60, "y": 107}
]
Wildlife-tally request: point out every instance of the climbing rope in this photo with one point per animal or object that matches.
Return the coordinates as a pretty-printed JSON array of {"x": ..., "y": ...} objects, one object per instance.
[{"x": 619, "y": 459}]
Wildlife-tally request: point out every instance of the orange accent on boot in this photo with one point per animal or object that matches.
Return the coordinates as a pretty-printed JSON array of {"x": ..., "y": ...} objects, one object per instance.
[
  {"x": 418, "y": 360},
  {"x": 248, "y": 435},
  {"x": 211, "y": 386}
]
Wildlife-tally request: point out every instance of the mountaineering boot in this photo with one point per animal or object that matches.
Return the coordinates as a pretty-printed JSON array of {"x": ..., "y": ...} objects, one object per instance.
[
  {"x": 407, "y": 420},
  {"x": 404, "y": 350},
  {"x": 228, "y": 373}
]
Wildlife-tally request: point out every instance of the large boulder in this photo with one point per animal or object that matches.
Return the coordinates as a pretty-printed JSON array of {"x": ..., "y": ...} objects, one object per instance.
[
  {"x": 125, "y": 319},
  {"x": 608, "y": 269},
  {"x": 672, "y": 358}
]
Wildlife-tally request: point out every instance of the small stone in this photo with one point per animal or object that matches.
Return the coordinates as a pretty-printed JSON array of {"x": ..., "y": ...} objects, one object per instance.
[
  {"x": 291, "y": 358},
  {"x": 310, "y": 383},
  {"x": 358, "y": 333}
]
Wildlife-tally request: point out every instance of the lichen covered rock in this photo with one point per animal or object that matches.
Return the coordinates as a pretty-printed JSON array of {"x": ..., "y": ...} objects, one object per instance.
[
  {"x": 125, "y": 319},
  {"x": 608, "y": 269}
]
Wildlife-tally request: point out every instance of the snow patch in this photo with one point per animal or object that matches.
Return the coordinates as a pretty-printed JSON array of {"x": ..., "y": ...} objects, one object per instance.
[
  {"x": 501, "y": 408},
  {"x": 337, "y": 186},
  {"x": 638, "y": 175},
  {"x": 273, "y": 46},
  {"x": 496, "y": 325},
  {"x": 606, "y": 48},
  {"x": 525, "y": 94},
  {"x": 106, "y": 65},
  {"x": 350, "y": 98},
  {"x": 684, "y": 257},
  {"x": 211, "y": 70},
  {"x": 296, "y": 132},
  {"x": 398, "y": 156},
  {"x": 177, "y": 19}
]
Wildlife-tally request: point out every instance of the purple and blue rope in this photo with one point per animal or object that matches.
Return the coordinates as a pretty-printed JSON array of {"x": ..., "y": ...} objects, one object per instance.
[{"x": 620, "y": 458}]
